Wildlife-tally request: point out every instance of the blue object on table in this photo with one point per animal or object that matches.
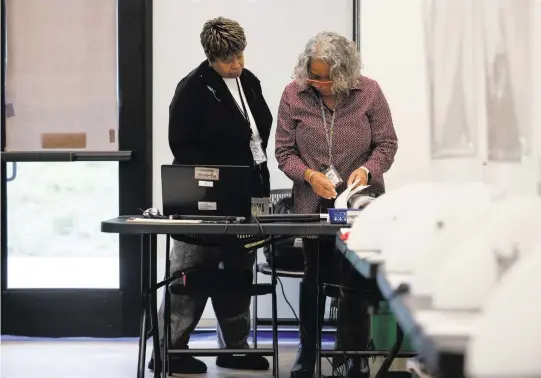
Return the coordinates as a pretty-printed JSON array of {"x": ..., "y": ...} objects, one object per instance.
[
  {"x": 338, "y": 216},
  {"x": 341, "y": 216}
]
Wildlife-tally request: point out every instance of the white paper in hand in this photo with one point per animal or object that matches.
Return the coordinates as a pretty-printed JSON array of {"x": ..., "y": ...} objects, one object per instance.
[
  {"x": 361, "y": 201},
  {"x": 341, "y": 201}
]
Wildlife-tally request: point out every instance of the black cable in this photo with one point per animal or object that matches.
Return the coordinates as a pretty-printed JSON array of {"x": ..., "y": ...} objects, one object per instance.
[
  {"x": 260, "y": 227},
  {"x": 226, "y": 225},
  {"x": 262, "y": 232},
  {"x": 287, "y": 300}
]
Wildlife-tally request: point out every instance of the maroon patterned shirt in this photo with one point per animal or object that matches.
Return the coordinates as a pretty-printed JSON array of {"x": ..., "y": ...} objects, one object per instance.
[{"x": 364, "y": 136}]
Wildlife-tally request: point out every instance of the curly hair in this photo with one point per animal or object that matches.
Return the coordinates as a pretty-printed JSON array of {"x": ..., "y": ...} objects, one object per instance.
[
  {"x": 339, "y": 53},
  {"x": 221, "y": 38}
]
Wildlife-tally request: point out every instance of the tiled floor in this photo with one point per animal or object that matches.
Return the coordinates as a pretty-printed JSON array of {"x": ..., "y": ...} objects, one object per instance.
[
  {"x": 110, "y": 359},
  {"x": 93, "y": 359}
]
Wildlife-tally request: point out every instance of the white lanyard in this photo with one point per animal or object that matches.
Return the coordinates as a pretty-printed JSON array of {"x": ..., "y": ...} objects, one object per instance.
[
  {"x": 329, "y": 132},
  {"x": 255, "y": 146},
  {"x": 244, "y": 111}
]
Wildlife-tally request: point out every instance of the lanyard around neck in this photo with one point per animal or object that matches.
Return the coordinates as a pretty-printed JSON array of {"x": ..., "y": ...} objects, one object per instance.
[
  {"x": 244, "y": 111},
  {"x": 329, "y": 132}
]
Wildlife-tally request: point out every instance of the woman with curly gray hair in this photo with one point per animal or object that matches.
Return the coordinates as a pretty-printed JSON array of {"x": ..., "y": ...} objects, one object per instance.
[{"x": 334, "y": 129}]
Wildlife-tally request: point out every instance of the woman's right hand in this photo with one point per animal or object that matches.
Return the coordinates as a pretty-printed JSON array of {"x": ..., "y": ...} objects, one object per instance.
[{"x": 322, "y": 186}]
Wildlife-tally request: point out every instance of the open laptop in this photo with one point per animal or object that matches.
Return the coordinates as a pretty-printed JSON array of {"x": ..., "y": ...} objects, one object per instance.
[{"x": 207, "y": 191}]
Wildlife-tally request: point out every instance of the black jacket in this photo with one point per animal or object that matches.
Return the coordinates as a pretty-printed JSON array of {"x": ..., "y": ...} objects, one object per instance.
[{"x": 206, "y": 127}]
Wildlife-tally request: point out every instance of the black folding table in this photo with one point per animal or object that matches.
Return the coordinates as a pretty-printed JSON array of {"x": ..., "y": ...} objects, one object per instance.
[{"x": 148, "y": 229}]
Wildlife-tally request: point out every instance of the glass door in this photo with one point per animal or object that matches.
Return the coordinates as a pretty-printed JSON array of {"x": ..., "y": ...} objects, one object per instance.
[{"x": 67, "y": 145}]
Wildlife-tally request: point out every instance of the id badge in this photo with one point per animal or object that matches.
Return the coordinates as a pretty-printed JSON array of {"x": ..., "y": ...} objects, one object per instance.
[
  {"x": 257, "y": 152},
  {"x": 333, "y": 176}
]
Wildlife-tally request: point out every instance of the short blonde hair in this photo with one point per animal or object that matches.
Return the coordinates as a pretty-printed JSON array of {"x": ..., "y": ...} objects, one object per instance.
[{"x": 221, "y": 38}]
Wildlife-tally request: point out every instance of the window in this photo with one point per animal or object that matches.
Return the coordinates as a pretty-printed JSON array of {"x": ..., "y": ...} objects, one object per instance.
[{"x": 54, "y": 212}]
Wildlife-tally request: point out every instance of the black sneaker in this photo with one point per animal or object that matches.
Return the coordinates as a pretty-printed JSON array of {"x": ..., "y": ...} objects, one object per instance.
[
  {"x": 182, "y": 365},
  {"x": 248, "y": 362}
]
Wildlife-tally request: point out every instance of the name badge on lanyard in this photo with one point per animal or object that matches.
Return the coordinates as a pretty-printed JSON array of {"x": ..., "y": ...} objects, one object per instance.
[
  {"x": 333, "y": 176},
  {"x": 257, "y": 152},
  {"x": 331, "y": 172}
]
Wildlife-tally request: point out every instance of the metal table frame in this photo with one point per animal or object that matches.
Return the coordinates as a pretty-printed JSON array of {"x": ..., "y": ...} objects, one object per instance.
[{"x": 150, "y": 228}]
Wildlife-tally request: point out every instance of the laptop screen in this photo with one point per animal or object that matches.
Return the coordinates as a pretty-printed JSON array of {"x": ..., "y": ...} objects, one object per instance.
[{"x": 207, "y": 190}]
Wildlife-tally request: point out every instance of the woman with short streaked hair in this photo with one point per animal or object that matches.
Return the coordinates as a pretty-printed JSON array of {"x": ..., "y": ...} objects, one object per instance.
[
  {"x": 218, "y": 116},
  {"x": 334, "y": 129}
]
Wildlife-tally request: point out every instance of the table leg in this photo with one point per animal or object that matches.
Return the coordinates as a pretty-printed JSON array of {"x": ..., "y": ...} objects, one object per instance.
[
  {"x": 275, "y": 365},
  {"x": 384, "y": 368},
  {"x": 142, "y": 340},
  {"x": 166, "y": 314},
  {"x": 318, "y": 303},
  {"x": 144, "y": 309},
  {"x": 254, "y": 306},
  {"x": 153, "y": 299}
]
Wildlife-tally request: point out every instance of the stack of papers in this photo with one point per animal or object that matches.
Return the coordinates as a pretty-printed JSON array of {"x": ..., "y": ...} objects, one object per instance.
[{"x": 342, "y": 200}]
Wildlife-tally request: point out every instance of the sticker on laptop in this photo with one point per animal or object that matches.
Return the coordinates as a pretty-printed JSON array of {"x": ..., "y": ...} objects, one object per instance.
[
  {"x": 207, "y": 206},
  {"x": 206, "y": 184},
  {"x": 206, "y": 174}
]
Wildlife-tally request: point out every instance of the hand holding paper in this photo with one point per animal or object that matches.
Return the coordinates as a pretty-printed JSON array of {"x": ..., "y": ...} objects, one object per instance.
[
  {"x": 358, "y": 175},
  {"x": 341, "y": 201}
]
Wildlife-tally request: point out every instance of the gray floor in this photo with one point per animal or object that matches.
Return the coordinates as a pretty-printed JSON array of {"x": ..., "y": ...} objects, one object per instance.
[
  {"x": 92, "y": 359},
  {"x": 113, "y": 359}
]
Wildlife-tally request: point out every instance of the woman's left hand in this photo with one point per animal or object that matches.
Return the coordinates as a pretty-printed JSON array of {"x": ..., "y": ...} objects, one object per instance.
[{"x": 358, "y": 174}]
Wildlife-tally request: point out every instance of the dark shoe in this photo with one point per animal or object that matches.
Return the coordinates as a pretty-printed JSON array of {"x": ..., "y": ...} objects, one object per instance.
[
  {"x": 182, "y": 365},
  {"x": 304, "y": 365},
  {"x": 358, "y": 374},
  {"x": 302, "y": 374},
  {"x": 248, "y": 362},
  {"x": 352, "y": 367}
]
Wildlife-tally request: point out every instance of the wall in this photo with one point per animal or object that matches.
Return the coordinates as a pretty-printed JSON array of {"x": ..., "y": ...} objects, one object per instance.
[
  {"x": 393, "y": 54},
  {"x": 276, "y": 30},
  {"x": 393, "y": 51}
]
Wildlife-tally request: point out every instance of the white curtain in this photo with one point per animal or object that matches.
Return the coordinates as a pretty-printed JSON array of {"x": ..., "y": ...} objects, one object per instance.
[
  {"x": 449, "y": 26},
  {"x": 61, "y": 77},
  {"x": 506, "y": 29}
]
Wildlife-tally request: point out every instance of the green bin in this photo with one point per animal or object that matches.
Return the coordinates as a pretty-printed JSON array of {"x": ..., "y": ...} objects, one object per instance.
[{"x": 384, "y": 330}]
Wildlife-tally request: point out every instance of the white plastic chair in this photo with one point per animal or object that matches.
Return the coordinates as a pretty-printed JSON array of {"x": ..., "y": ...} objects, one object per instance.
[
  {"x": 508, "y": 232},
  {"x": 507, "y": 339}
]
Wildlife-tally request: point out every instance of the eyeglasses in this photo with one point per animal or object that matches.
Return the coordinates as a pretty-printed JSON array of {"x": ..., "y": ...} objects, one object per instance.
[
  {"x": 320, "y": 82},
  {"x": 321, "y": 85}
]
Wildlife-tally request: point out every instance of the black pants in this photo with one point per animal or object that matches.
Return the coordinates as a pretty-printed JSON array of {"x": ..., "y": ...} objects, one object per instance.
[
  {"x": 321, "y": 249},
  {"x": 232, "y": 312}
]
